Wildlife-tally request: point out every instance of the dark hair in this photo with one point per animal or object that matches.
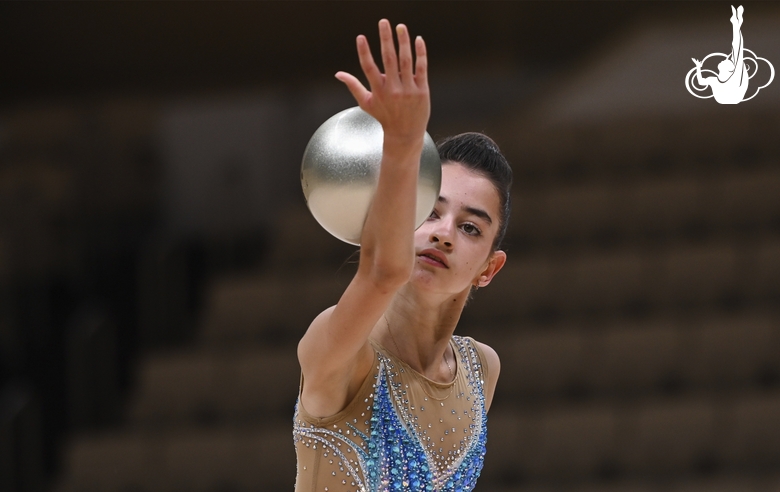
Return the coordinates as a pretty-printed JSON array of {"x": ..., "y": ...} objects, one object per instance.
[{"x": 479, "y": 153}]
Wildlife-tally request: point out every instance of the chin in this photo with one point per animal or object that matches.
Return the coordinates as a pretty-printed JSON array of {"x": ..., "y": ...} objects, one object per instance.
[{"x": 426, "y": 281}]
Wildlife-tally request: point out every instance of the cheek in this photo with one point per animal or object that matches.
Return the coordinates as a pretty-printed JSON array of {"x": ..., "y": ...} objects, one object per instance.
[
  {"x": 474, "y": 259},
  {"x": 421, "y": 234}
]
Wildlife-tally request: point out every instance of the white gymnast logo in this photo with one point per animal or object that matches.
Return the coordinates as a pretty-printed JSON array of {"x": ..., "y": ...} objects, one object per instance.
[{"x": 730, "y": 84}]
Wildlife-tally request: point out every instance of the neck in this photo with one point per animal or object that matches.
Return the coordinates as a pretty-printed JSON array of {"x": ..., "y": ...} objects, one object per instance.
[{"x": 418, "y": 329}]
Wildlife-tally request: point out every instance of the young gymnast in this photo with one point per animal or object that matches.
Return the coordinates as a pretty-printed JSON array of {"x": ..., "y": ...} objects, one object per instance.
[{"x": 390, "y": 398}]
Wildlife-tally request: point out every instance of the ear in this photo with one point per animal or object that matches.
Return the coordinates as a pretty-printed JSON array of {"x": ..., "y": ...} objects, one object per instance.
[{"x": 495, "y": 264}]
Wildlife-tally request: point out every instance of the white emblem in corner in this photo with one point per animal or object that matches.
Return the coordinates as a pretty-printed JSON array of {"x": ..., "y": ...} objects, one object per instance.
[{"x": 735, "y": 70}]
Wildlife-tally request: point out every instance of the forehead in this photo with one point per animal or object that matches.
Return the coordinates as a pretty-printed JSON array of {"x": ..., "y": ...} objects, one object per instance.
[{"x": 464, "y": 187}]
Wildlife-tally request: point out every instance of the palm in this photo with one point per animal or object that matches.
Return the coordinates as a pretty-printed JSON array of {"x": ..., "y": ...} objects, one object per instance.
[{"x": 399, "y": 98}]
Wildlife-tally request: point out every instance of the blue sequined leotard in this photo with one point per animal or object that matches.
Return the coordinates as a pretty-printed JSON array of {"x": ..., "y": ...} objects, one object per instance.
[{"x": 402, "y": 432}]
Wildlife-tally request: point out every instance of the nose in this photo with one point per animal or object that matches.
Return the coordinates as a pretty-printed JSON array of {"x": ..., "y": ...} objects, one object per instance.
[{"x": 441, "y": 232}]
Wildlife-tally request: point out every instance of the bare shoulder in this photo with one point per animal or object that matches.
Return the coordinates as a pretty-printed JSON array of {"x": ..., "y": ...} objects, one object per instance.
[
  {"x": 307, "y": 347},
  {"x": 323, "y": 317},
  {"x": 329, "y": 387}
]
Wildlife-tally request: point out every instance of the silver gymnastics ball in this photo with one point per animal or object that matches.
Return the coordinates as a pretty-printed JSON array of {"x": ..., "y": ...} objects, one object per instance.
[{"x": 340, "y": 170}]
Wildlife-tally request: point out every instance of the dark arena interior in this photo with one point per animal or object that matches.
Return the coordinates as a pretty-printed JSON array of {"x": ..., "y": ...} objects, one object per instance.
[{"x": 158, "y": 263}]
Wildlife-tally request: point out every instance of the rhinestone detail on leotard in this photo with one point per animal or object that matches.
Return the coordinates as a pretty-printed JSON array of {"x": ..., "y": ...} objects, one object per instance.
[{"x": 406, "y": 444}]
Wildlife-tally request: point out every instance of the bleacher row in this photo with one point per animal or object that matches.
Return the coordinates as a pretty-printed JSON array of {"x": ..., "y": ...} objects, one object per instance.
[
  {"x": 641, "y": 279},
  {"x": 695, "y": 144},
  {"x": 627, "y": 359},
  {"x": 650, "y": 437},
  {"x": 246, "y": 457},
  {"x": 638, "y": 210}
]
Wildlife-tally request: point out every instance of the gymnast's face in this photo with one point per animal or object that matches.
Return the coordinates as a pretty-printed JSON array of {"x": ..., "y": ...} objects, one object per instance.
[{"x": 460, "y": 231}]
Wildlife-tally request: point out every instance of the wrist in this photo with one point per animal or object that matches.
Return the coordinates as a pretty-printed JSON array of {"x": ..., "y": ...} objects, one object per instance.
[{"x": 398, "y": 144}]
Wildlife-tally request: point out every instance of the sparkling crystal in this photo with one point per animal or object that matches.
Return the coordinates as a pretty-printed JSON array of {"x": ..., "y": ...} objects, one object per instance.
[{"x": 391, "y": 451}]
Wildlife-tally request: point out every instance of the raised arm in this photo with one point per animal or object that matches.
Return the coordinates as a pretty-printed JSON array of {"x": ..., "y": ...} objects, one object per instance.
[{"x": 334, "y": 354}]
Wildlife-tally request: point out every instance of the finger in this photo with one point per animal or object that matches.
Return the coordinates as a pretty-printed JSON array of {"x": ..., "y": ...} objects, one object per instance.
[
  {"x": 421, "y": 69},
  {"x": 359, "y": 92},
  {"x": 404, "y": 54},
  {"x": 389, "y": 58},
  {"x": 367, "y": 62}
]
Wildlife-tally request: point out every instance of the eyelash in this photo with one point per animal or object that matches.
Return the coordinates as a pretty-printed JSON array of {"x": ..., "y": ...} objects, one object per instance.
[{"x": 477, "y": 231}]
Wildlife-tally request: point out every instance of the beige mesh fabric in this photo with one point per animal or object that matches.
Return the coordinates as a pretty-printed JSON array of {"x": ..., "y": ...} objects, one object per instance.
[{"x": 445, "y": 418}]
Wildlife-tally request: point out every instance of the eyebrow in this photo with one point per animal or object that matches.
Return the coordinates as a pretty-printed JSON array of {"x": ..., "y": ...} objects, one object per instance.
[{"x": 472, "y": 210}]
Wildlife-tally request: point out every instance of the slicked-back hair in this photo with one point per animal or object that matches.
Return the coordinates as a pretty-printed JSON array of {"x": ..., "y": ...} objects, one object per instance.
[{"x": 481, "y": 154}]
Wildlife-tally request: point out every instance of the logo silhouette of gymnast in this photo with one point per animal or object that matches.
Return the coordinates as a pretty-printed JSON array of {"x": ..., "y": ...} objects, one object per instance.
[{"x": 734, "y": 71}]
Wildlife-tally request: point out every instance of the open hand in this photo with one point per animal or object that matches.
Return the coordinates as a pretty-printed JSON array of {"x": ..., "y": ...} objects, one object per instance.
[{"x": 399, "y": 99}]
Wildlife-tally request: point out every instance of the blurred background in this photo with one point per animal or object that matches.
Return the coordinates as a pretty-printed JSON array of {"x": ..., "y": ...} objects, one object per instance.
[{"x": 158, "y": 263}]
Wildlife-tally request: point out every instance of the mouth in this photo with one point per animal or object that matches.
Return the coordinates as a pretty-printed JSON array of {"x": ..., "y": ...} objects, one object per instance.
[{"x": 433, "y": 258}]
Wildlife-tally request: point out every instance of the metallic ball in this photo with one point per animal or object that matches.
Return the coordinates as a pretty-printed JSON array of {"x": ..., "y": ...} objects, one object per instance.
[{"x": 340, "y": 170}]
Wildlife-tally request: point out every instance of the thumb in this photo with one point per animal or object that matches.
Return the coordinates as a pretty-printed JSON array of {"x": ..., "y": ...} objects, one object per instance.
[{"x": 358, "y": 91}]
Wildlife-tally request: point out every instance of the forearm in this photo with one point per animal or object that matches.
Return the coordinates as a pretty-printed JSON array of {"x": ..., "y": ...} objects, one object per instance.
[
  {"x": 400, "y": 101},
  {"x": 387, "y": 242},
  {"x": 699, "y": 78}
]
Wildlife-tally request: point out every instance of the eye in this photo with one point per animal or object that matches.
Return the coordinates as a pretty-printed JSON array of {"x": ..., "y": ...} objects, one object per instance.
[
  {"x": 471, "y": 229},
  {"x": 433, "y": 214}
]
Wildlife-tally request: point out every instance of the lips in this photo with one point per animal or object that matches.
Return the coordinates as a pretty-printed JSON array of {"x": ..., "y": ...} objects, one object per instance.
[{"x": 436, "y": 256}]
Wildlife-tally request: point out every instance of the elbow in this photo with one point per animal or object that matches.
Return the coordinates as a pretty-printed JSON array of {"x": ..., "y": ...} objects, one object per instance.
[
  {"x": 386, "y": 270},
  {"x": 391, "y": 275},
  {"x": 387, "y": 275}
]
